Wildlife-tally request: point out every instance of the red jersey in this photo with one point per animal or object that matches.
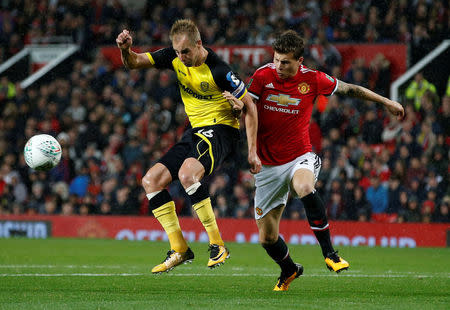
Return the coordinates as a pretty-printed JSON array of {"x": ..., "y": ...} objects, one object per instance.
[{"x": 284, "y": 111}]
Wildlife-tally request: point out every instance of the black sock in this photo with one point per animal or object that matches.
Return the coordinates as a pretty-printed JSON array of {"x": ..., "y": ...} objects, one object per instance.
[
  {"x": 317, "y": 218},
  {"x": 200, "y": 194},
  {"x": 159, "y": 199},
  {"x": 280, "y": 254},
  {"x": 323, "y": 236}
]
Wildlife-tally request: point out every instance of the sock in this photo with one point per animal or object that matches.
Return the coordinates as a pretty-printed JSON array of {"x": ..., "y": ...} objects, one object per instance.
[
  {"x": 280, "y": 254},
  {"x": 167, "y": 217},
  {"x": 317, "y": 218},
  {"x": 202, "y": 205},
  {"x": 206, "y": 215},
  {"x": 323, "y": 236}
]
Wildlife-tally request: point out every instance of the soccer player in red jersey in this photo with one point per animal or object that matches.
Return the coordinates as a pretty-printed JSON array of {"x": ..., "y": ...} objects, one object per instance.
[{"x": 284, "y": 92}]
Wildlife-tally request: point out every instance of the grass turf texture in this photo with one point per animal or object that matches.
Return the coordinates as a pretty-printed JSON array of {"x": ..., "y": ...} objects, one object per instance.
[{"x": 110, "y": 274}]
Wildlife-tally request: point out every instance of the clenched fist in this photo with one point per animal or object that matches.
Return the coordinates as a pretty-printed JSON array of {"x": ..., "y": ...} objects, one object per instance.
[{"x": 124, "y": 40}]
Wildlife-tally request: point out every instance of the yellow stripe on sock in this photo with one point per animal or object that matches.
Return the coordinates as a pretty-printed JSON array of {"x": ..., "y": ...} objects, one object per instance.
[
  {"x": 168, "y": 219},
  {"x": 206, "y": 215}
]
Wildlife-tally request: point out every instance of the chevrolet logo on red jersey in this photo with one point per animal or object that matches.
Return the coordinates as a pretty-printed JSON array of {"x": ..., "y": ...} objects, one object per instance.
[{"x": 284, "y": 100}]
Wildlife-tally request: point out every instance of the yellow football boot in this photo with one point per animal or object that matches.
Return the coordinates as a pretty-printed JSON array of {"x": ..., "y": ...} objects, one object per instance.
[
  {"x": 218, "y": 255},
  {"x": 174, "y": 259},
  {"x": 284, "y": 281},
  {"x": 335, "y": 263}
]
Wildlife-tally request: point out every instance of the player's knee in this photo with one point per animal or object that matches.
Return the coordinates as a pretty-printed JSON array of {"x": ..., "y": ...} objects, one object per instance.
[
  {"x": 153, "y": 181},
  {"x": 267, "y": 239},
  {"x": 190, "y": 172},
  {"x": 186, "y": 178},
  {"x": 304, "y": 189}
]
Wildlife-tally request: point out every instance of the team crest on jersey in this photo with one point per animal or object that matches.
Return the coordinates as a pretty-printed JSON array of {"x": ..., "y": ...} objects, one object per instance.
[
  {"x": 259, "y": 211},
  {"x": 204, "y": 86},
  {"x": 303, "y": 88}
]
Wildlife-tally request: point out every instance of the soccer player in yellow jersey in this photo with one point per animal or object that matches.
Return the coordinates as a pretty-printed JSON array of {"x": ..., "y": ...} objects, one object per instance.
[{"x": 212, "y": 94}]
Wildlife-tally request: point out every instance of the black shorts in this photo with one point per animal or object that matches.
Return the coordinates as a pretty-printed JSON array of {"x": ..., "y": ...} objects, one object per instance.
[{"x": 211, "y": 145}]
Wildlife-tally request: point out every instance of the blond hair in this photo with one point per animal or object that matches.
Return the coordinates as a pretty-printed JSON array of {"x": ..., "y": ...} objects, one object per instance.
[{"x": 187, "y": 27}]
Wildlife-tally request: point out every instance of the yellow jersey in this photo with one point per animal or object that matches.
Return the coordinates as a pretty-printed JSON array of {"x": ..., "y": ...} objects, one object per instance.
[{"x": 201, "y": 87}]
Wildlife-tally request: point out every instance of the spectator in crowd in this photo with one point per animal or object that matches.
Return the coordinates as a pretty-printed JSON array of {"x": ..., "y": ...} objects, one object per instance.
[
  {"x": 222, "y": 207},
  {"x": 36, "y": 201},
  {"x": 360, "y": 209},
  {"x": 372, "y": 128},
  {"x": 395, "y": 188},
  {"x": 417, "y": 88},
  {"x": 79, "y": 184},
  {"x": 425, "y": 138},
  {"x": 377, "y": 195},
  {"x": 68, "y": 208},
  {"x": 105, "y": 208},
  {"x": 50, "y": 206},
  {"x": 441, "y": 214},
  {"x": 412, "y": 212},
  {"x": 335, "y": 206},
  {"x": 7, "y": 89}
]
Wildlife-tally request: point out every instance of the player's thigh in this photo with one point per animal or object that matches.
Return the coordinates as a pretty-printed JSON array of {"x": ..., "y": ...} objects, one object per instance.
[
  {"x": 177, "y": 154},
  {"x": 268, "y": 226},
  {"x": 272, "y": 188},
  {"x": 303, "y": 182},
  {"x": 305, "y": 173},
  {"x": 156, "y": 178}
]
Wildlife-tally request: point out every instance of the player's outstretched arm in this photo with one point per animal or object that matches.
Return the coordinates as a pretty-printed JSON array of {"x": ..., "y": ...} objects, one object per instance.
[
  {"x": 356, "y": 91},
  {"x": 130, "y": 59},
  {"x": 251, "y": 128}
]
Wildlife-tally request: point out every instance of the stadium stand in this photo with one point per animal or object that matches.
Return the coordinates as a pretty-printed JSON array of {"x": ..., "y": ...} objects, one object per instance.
[{"x": 113, "y": 124}]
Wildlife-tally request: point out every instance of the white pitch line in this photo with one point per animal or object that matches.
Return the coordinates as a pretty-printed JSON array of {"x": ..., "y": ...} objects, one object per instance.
[
  {"x": 72, "y": 274},
  {"x": 63, "y": 266},
  {"x": 217, "y": 275}
]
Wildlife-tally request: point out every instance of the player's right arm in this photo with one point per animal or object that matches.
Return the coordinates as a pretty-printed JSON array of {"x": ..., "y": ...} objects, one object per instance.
[
  {"x": 130, "y": 59},
  {"x": 251, "y": 127}
]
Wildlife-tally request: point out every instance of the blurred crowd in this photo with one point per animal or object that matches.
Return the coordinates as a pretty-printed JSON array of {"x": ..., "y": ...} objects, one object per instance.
[
  {"x": 114, "y": 124},
  {"x": 422, "y": 23}
]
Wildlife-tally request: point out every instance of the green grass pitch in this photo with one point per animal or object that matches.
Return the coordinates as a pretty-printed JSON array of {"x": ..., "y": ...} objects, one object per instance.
[{"x": 110, "y": 274}]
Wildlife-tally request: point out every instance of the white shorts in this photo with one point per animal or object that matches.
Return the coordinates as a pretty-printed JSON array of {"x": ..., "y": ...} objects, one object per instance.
[{"x": 273, "y": 183}]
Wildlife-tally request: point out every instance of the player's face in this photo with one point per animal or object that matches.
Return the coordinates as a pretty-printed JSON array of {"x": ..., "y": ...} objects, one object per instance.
[
  {"x": 286, "y": 64},
  {"x": 187, "y": 51}
]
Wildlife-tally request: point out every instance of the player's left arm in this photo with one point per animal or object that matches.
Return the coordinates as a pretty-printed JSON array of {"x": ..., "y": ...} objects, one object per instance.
[{"x": 359, "y": 92}]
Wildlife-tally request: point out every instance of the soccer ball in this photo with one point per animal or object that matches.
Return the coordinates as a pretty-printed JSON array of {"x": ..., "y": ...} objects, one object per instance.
[{"x": 42, "y": 152}]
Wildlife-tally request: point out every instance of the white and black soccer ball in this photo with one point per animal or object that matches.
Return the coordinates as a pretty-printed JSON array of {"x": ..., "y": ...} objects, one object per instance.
[{"x": 42, "y": 152}]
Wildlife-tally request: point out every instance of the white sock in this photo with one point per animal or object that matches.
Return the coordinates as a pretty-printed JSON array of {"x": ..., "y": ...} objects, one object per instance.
[
  {"x": 151, "y": 195},
  {"x": 193, "y": 188}
]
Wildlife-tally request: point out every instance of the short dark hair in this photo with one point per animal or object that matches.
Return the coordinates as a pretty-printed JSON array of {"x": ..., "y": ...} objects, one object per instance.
[{"x": 289, "y": 41}]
